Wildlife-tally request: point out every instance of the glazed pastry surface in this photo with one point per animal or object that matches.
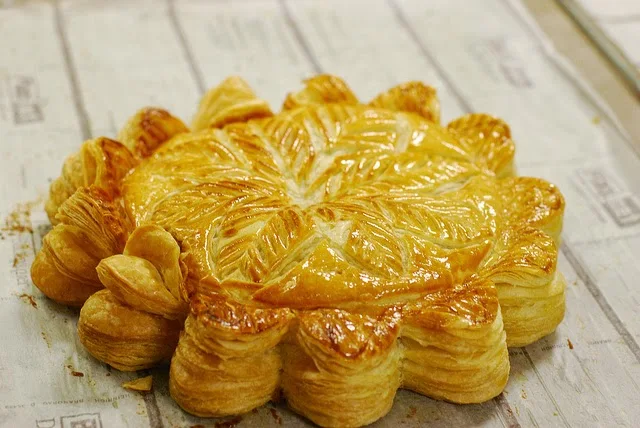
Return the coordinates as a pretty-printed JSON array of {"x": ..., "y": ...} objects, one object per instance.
[{"x": 328, "y": 254}]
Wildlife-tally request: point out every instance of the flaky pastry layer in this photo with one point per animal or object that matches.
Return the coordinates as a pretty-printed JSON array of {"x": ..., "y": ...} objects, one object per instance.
[{"x": 328, "y": 254}]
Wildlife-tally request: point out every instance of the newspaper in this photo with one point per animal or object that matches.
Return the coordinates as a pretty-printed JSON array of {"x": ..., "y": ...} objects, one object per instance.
[
  {"x": 614, "y": 26},
  {"x": 73, "y": 70},
  {"x": 621, "y": 21}
]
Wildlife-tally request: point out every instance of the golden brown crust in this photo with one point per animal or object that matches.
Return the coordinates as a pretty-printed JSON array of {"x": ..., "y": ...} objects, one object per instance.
[
  {"x": 534, "y": 202},
  {"x": 334, "y": 253},
  {"x": 227, "y": 361},
  {"x": 90, "y": 228},
  {"x": 148, "y": 129},
  {"x": 489, "y": 139},
  {"x": 321, "y": 89},
  {"x": 143, "y": 384},
  {"x": 218, "y": 314},
  {"x": 143, "y": 303},
  {"x": 342, "y": 368},
  {"x": 84, "y": 205},
  {"x": 339, "y": 335},
  {"x": 471, "y": 304},
  {"x": 101, "y": 163},
  {"x": 231, "y": 101},
  {"x": 454, "y": 344},
  {"x": 124, "y": 337},
  {"x": 413, "y": 97}
]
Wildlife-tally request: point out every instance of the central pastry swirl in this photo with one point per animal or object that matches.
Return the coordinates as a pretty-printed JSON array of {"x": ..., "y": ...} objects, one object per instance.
[{"x": 333, "y": 252}]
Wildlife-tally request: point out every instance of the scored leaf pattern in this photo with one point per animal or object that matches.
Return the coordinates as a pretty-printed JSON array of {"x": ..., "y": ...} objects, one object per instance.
[
  {"x": 488, "y": 138},
  {"x": 391, "y": 193}
]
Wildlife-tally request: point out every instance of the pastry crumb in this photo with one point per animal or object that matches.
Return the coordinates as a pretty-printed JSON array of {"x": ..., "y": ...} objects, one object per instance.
[
  {"x": 143, "y": 384},
  {"x": 73, "y": 372},
  {"x": 46, "y": 339},
  {"x": 276, "y": 417},
  {"x": 28, "y": 298},
  {"x": 19, "y": 220},
  {"x": 229, "y": 423},
  {"x": 412, "y": 412},
  {"x": 569, "y": 343}
]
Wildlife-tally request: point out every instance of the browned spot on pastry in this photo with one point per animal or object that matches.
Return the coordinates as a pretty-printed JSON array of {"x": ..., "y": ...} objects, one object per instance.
[
  {"x": 229, "y": 232},
  {"x": 231, "y": 101},
  {"x": 350, "y": 335},
  {"x": 114, "y": 156},
  {"x": 569, "y": 343},
  {"x": 112, "y": 216},
  {"x": 151, "y": 127},
  {"x": 475, "y": 301},
  {"x": 532, "y": 201},
  {"x": 28, "y": 298},
  {"x": 522, "y": 256},
  {"x": 215, "y": 310}
]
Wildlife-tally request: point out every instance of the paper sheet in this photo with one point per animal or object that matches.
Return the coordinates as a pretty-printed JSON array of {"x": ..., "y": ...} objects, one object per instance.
[
  {"x": 77, "y": 69},
  {"x": 614, "y": 26},
  {"x": 621, "y": 21}
]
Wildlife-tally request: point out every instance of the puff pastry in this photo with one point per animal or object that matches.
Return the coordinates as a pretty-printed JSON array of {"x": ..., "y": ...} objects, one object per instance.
[{"x": 328, "y": 254}]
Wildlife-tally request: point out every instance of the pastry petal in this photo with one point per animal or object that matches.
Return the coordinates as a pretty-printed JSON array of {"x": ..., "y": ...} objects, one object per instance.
[
  {"x": 231, "y": 101},
  {"x": 101, "y": 163},
  {"x": 90, "y": 227},
  {"x": 321, "y": 89},
  {"x": 148, "y": 129},
  {"x": 124, "y": 337},
  {"x": 226, "y": 361},
  {"x": 413, "y": 97},
  {"x": 489, "y": 138}
]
